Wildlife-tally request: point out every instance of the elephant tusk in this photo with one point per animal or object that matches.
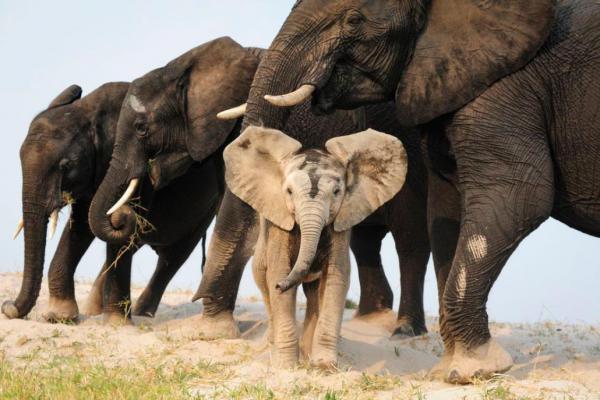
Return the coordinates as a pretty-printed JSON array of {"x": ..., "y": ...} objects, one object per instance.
[
  {"x": 292, "y": 99},
  {"x": 233, "y": 113},
  {"x": 19, "y": 228},
  {"x": 126, "y": 196},
  {"x": 53, "y": 222}
]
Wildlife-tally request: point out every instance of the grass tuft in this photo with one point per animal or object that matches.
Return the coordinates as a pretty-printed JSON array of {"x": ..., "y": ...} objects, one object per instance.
[{"x": 350, "y": 304}]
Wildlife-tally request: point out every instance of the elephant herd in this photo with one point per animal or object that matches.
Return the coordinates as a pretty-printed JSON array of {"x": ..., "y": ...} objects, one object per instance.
[{"x": 491, "y": 119}]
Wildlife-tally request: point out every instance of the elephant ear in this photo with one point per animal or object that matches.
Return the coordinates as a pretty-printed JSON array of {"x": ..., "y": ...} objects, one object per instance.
[
  {"x": 67, "y": 96},
  {"x": 376, "y": 166},
  {"x": 253, "y": 172},
  {"x": 466, "y": 46},
  {"x": 219, "y": 78}
]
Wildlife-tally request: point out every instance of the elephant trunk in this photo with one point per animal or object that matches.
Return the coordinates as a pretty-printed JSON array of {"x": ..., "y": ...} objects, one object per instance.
[
  {"x": 260, "y": 112},
  {"x": 287, "y": 74},
  {"x": 312, "y": 217},
  {"x": 118, "y": 227},
  {"x": 35, "y": 218}
]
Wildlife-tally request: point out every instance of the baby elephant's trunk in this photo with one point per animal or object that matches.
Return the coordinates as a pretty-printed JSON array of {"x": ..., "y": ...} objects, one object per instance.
[{"x": 312, "y": 218}]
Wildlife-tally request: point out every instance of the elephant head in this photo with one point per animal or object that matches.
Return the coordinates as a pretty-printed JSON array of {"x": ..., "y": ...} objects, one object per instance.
[
  {"x": 169, "y": 115},
  {"x": 63, "y": 159},
  {"x": 311, "y": 188},
  {"x": 431, "y": 56}
]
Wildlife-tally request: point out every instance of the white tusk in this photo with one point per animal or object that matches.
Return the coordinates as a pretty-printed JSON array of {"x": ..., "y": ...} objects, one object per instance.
[
  {"x": 19, "y": 228},
  {"x": 126, "y": 196},
  {"x": 53, "y": 222},
  {"x": 292, "y": 99},
  {"x": 233, "y": 113}
]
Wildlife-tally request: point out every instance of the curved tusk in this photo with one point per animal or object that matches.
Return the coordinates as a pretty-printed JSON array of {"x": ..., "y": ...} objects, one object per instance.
[
  {"x": 20, "y": 226},
  {"x": 53, "y": 222},
  {"x": 292, "y": 99},
  {"x": 233, "y": 113},
  {"x": 126, "y": 196}
]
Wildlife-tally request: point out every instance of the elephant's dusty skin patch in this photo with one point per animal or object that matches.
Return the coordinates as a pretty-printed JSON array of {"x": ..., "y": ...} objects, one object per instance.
[
  {"x": 461, "y": 282},
  {"x": 478, "y": 247},
  {"x": 136, "y": 104}
]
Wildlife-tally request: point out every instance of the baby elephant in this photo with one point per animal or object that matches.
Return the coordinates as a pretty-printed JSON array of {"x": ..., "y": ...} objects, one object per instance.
[{"x": 308, "y": 200}]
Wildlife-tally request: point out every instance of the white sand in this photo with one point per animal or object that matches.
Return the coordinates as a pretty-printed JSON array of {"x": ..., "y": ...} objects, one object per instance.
[{"x": 552, "y": 360}]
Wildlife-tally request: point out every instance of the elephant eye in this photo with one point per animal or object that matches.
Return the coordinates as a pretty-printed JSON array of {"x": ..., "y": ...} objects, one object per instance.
[
  {"x": 289, "y": 190},
  {"x": 336, "y": 191},
  {"x": 141, "y": 128},
  {"x": 354, "y": 19},
  {"x": 65, "y": 164}
]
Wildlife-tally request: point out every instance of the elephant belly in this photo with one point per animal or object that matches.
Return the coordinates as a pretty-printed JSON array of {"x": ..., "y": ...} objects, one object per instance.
[
  {"x": 180, "y": 208},
  {"x": 581, "y": 214},
  {"x": 576, "y": 159}
]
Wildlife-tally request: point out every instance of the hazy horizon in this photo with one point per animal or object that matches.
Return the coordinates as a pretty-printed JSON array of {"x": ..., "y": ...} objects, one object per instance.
[{"x": 47, "y": 46}]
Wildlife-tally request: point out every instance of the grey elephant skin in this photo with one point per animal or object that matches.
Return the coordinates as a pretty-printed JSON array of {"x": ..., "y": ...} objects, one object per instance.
[
  {"x": 309, "y": 200},
  {"x": 172, "y": 111},
  {"x": 64, "y": 158},
  {"x": 508, "y": 96}
]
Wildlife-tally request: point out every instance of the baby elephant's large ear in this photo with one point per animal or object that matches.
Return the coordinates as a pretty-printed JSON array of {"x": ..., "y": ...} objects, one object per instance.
[
  {"x": 253, "y": 172},
  {"x": 376, "y": 165}
]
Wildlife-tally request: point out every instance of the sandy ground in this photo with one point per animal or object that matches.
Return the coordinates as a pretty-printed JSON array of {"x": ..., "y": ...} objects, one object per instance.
[{"x": 552, "y": 360}]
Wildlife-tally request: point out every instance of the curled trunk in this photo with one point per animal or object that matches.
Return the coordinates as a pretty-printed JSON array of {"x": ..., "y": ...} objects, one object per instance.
[
  {"x": 311, "y": 224},
  {"x": 118, "y": 227}
]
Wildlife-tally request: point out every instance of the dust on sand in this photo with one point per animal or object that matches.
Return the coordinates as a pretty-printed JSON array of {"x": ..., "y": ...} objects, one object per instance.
[{"x": 552, "y": 360}]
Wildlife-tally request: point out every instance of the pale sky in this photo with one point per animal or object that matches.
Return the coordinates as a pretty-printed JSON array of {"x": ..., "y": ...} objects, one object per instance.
[{"x": 46, "y": 46}]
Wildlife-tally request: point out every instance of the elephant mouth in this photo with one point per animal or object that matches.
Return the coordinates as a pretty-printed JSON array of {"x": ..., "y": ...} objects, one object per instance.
[{"x": 349, "y": 87}]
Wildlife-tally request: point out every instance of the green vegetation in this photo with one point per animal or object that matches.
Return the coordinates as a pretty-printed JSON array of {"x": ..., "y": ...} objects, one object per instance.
[
  {"x": 351, "y": 304},
  {"x": 67, "y": 378}
]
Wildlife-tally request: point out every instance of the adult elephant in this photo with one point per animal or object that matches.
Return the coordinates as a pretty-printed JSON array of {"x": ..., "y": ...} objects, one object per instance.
[
  {"x": 172, "y": 111},
  {"x": 64, "y": 158},
  {"x": 512, "y": 87}
]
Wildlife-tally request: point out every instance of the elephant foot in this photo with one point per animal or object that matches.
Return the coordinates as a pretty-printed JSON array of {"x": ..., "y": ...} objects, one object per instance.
[
  {"x": 385, "y": 318},
  {"x": 116, "y": 319},
  {"x": 440, "y": 370},
  {"x": 368, "y": 306},
  {"x": 325, "y": 360},
  {"x": 219, "y": 326},
  {"x": 94, "y": 305},
  {"x": 144, "y": 309},
  {"x": 61, "y": 311},
  {"x": 10, "y": 309},
  {"x": 479, "y": 363},
  {"x": 284, "y": 360},
  {"x": 407, "y": 328}
]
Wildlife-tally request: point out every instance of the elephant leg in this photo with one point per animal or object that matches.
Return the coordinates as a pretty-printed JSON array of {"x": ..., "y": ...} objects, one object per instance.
[
  {"x": 443, "y": 206},
  {"x": 117, "y": 285},
  {"x": 506, "y": 181},
  {"x": 375, "y": 292},
  {"x": 311, "y": 291},
  {"x": 407, "y": 220},
  {"x": 170, "y": 260},
  {"x": 231, "y": 246},
  {"x": 335, "y": 282},
  {"x": 95, "y": 301},
  {"x": 259, "y": 271},
  {"x": 74, "y": 242},
  {"x": 284, "y": 351},
  {"x": 413, "y": 250}
]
